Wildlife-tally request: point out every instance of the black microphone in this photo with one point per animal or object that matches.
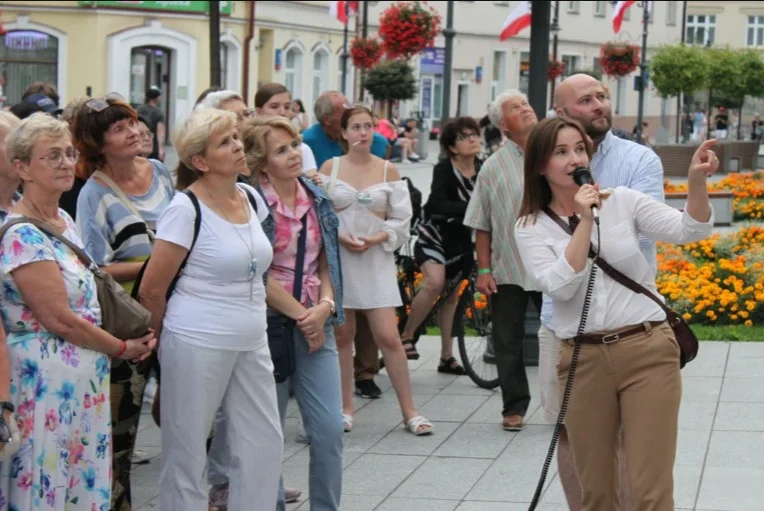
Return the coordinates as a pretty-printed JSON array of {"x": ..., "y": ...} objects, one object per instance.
[{"x": 582, "y": 176}]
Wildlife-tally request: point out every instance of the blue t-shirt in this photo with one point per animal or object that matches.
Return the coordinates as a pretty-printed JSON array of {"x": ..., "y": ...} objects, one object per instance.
[{"x": 324, "y": 148}]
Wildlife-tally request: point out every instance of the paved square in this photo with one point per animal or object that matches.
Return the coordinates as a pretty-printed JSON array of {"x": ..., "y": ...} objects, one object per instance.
[{"x": 470, "y": 464}]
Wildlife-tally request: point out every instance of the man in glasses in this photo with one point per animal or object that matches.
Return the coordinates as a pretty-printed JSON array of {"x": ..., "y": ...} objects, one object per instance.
[{"x": 155, "y": 117}]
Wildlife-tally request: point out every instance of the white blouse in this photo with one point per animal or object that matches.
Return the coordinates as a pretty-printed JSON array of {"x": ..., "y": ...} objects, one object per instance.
[{"x": 623, "y": 217}]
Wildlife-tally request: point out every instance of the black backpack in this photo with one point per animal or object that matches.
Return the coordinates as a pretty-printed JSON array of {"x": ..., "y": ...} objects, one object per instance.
[{"x": 416, "y": 203}]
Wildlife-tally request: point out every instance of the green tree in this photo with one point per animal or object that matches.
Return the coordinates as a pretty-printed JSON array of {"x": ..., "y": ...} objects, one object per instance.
[
  {"x": 391, "y": 80},
  {"x": 678, "y": 69},
  {"x": 727, "y": 84}
]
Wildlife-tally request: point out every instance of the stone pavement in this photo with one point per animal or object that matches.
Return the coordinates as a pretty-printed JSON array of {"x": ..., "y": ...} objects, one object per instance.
[{"x": 471, "y": 464}]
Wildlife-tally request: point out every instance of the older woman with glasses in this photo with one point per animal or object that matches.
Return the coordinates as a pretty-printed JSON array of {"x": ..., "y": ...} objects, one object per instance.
[
  {"x": 443, "y": 238},
  {"x": 228, "y": 100},
  {"x": 58, "y": 352},
  {"x": 117, "y": 212}
]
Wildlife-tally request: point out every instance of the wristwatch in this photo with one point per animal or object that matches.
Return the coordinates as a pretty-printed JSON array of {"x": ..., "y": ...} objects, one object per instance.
[
  {"x": 332, "y": 307},
  {"x": 7, "y": 405}
]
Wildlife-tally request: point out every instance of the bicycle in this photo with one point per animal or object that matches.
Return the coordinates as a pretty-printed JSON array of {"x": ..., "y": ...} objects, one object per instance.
[{"x": 472, "y": 324}]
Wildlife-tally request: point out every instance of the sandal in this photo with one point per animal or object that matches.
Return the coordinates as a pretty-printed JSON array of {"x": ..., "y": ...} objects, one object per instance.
[
  {"x": 451, "y": 366},
  {"x": 419, "y": 426},
  {"x": 347, "y": 423},
  {"x": 410, "y": 347}
]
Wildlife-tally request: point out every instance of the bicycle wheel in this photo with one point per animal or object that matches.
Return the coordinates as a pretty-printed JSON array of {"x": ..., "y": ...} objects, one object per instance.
[{"x": 473, "y": 334}]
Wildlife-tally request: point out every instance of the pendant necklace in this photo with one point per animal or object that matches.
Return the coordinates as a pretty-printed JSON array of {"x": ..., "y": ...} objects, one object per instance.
[{"x": 252, "y": 267}]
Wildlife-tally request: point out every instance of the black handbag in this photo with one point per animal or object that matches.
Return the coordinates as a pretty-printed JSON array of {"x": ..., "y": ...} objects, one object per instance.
[{"x": 280, "y": 327}]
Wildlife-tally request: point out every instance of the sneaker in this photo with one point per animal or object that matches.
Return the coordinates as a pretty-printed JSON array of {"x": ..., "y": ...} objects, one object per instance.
[
  {"x": 291, "y": 495},
  {"x": 218, "y": 497},
  {"x": 414, "y": 156},
  {"x": 367, "y": 389}
]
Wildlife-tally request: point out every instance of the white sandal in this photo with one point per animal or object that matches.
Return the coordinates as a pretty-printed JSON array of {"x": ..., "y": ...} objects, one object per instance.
[
  {"x": 347, "y": 423},
  {"x": 415, "y": 423}
]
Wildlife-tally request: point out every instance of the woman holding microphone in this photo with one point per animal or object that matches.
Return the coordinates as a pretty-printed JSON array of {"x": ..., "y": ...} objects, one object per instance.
[{"x": 627, "y": 375}]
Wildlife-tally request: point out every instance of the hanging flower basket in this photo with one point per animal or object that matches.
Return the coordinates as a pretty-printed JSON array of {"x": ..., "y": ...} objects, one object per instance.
[
  {"x": 366, "y": 52},
  {"x": 407, "y": 28},
  {"x": 619, "y": 59},
  {"x": 556, "y": 69}
]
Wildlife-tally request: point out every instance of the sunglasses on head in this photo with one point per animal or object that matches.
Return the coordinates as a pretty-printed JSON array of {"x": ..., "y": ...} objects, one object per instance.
[{"x": 101, "y": 104}]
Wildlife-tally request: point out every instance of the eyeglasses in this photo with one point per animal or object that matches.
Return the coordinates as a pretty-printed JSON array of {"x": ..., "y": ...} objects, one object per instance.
[
  {"x": 56, "y": 160},
  {"x": 461, "y": 137},
  {"x": 147, "y": 135},
  {"x": 101, "y": 104}
]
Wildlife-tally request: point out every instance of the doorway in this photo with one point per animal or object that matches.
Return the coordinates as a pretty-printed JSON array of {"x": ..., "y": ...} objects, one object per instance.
[
  {"x": 150, "y": 66},
  {"x": 462, "y": 99}
]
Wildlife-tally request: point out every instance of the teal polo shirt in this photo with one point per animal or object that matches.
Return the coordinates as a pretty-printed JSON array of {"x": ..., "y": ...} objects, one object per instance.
[{"x": 325, "y": 148}]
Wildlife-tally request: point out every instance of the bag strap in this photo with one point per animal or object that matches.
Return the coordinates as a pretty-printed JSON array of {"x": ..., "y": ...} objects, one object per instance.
[
  {"x": 197, "y": 225},
  {"x": 114, "y": 187},
  {"x": 48, "y": 229},
  {"x": 333, "y": 177},
  {"x": 614, "y": 274},
  {"x": 252, "y": 200},
  {"x": 298, "y": 270}
]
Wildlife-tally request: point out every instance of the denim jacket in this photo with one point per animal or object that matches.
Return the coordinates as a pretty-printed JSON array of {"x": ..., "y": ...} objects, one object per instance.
[{"x": 329, "y": 225}]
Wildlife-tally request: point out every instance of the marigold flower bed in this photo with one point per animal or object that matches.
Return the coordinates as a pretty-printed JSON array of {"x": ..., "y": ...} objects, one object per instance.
[
  {"x": 717, "y": 281},
  {"x": 748, "y": 190}
]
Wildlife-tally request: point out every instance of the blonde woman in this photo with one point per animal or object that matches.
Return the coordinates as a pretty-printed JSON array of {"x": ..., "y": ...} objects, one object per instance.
[
  {"x": 213, "y": 347},
  {"x": 58, "y": 353}
]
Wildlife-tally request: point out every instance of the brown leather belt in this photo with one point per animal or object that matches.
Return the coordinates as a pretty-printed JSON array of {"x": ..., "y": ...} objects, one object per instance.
[{"x": 618, "y": 334}]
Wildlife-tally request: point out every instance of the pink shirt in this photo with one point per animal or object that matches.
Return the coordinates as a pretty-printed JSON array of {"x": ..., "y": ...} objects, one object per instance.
[{"x": 288, "y": 227}]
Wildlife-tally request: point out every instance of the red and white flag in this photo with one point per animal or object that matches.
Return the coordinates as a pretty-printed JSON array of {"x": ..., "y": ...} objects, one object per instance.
[
  {"x": 518, "y": 20},
  {"x": 618, "y": 11},
  {"x": 338, "y": 10}
]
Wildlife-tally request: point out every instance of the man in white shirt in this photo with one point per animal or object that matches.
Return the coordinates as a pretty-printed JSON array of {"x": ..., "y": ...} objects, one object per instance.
[{"x": 616, "y": 162}]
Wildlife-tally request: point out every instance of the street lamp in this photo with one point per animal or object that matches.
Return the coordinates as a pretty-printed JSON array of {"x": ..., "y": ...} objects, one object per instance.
[
  {"x": 449, "y": 34},
  {"x": 554, "y": 29},
  {"x": 642, "y": 66}
]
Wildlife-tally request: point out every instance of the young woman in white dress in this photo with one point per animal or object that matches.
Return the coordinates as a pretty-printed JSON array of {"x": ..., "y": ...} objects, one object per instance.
[{"x": 373, "y": 205}]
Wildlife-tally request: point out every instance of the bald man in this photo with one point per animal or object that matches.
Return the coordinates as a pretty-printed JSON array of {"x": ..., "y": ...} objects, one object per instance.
[{"x": 615, "y": 162}]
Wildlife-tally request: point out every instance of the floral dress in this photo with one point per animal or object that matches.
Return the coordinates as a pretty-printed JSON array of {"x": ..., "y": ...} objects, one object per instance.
[{"x": 60, "y": 391}]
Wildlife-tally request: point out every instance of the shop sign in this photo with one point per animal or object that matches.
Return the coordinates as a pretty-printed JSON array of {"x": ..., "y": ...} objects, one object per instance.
[
  {"x": 189, "y": 6},
  {"x": 432, "y": 61}
]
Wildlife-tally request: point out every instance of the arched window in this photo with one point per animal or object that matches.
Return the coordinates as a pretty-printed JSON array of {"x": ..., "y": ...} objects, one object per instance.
[
  {"x": 293, "y": 71},
  {"x": 27, "y": 56},
  {"x": 320, "y": 72}
]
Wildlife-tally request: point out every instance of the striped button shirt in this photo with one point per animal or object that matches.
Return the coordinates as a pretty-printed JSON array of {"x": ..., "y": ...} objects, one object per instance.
[
  {"x": 494, "y": 206},
  {"x": 618, "y": 162}
]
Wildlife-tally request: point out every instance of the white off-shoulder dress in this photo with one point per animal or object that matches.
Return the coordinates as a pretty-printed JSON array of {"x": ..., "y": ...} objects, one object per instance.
[{"x": 370, "y": 278}]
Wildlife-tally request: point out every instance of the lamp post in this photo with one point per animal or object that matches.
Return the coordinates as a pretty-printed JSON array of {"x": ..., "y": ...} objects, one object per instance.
[
  {"x": 345, "y": 50},
  {"x": 643, "y": 70},
  {"x": 448, "y": 65},
  {"x": 364, "y": 34},
  {"x": 215, "y": 43},
  {"x": 554, "y": 29},
  {"x": 539, "y": 58},
  {"x": 679, "y": 98}
]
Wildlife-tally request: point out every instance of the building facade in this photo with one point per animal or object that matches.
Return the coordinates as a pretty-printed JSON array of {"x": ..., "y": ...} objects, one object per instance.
[{"x": 97, "y": 47}]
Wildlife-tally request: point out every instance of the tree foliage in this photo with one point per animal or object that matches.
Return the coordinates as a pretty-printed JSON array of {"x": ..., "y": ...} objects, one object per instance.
[
  {"x": 752, "y": 66},
  {"x": 678, "y": 69},
  {"x": 391, "y": 80},
  {"x": 726, "y": 76}
]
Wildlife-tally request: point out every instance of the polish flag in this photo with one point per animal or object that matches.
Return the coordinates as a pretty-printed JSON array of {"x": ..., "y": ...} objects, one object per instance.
[
  {"x": 518, "y": 20},
  {"x": 618, "y": 11},
  {"x": 337, "y": 10}
]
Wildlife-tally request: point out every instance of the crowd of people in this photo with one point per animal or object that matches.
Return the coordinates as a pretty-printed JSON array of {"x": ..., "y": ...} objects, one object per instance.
[{"x": 267, "y": 262}]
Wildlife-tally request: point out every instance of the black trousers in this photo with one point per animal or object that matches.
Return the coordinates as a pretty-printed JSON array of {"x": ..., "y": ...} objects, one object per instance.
[{"x": 508, "y": 306}]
